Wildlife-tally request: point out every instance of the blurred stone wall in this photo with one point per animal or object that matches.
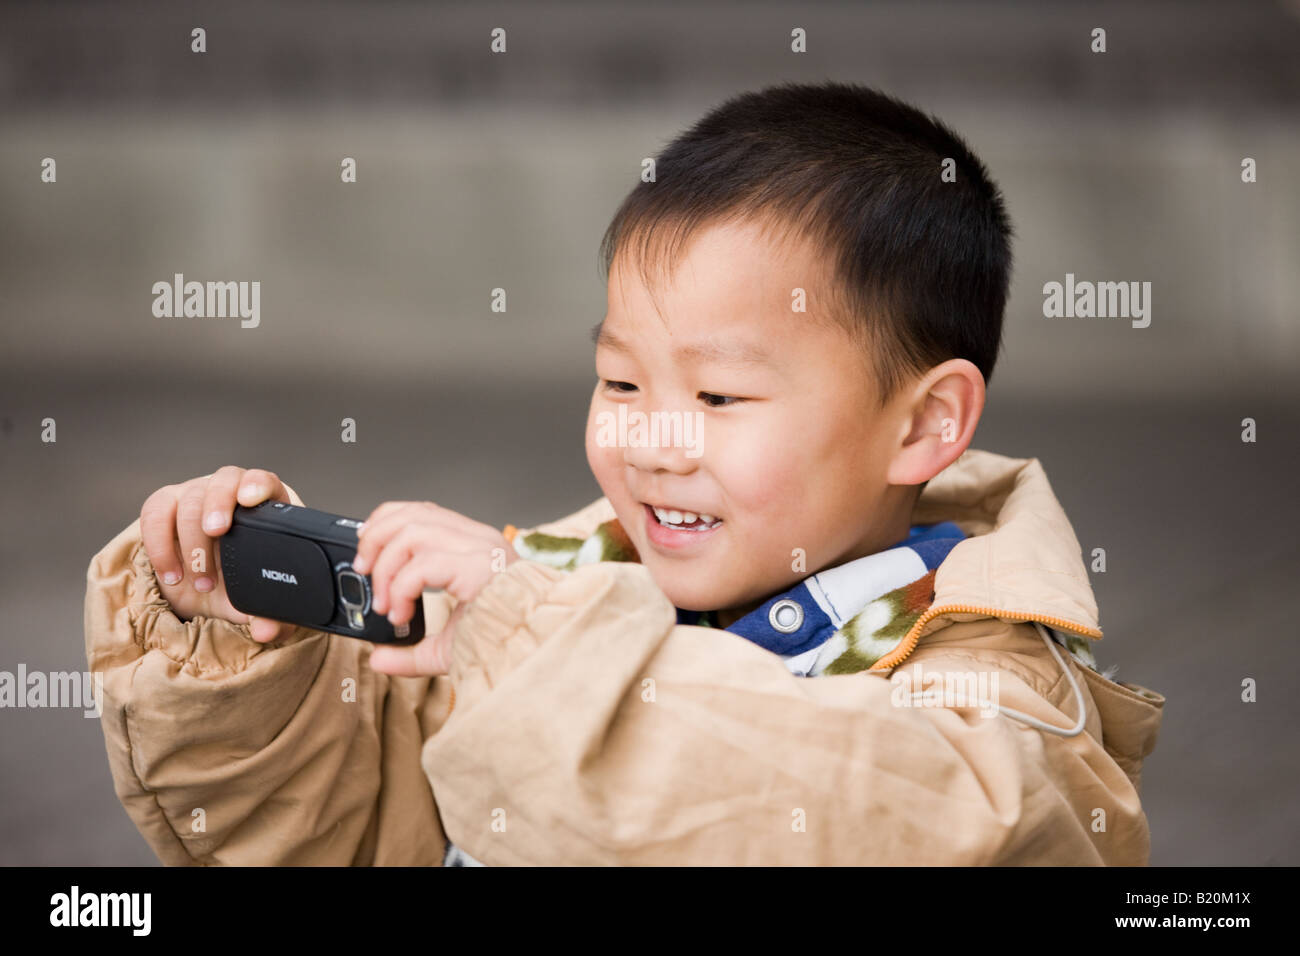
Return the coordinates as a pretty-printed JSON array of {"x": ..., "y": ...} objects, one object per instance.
[{"x": 479, "y": 171}]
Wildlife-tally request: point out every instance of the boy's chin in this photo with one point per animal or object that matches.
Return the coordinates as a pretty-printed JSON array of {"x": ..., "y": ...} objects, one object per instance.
[{"x": 692, "y": 597}]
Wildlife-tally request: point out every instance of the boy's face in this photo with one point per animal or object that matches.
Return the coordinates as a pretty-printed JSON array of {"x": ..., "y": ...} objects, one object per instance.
[{"x": 789, "y": 452}]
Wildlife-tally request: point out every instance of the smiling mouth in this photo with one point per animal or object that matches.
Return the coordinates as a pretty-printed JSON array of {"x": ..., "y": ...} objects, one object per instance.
[{"x": 681, "y": 520}]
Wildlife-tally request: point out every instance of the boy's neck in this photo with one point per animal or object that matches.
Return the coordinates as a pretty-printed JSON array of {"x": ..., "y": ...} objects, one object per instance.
[{"x": 729, "y": 616}]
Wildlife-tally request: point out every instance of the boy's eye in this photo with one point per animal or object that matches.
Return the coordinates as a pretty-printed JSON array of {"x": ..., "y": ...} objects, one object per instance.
[
  {"x": 722, "y": 400},
  {"x": 711, "y": 399}
]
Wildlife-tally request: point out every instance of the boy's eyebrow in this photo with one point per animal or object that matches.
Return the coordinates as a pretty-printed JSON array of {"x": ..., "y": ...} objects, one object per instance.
[{"x": 736, "y": 353}]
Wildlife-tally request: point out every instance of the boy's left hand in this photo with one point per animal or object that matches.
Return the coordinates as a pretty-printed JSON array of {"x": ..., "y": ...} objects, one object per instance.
[{"x": 408, "y": 546}]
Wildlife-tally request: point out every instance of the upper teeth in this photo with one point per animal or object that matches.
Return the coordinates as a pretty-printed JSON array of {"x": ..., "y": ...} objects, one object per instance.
[{"x": 672, "y": 516}]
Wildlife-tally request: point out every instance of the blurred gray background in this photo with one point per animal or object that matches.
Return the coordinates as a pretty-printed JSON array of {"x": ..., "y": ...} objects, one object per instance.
[{"x": 478, "y": 171}]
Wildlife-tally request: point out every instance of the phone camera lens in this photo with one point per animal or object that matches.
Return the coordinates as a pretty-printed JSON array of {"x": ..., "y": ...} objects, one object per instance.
[{"x": 352, "y": 587}]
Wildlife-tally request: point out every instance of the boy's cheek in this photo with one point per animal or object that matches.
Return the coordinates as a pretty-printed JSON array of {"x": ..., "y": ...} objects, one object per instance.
[
  {"x": 595, "y": 454},
  {"x": 606, "y": 467}
]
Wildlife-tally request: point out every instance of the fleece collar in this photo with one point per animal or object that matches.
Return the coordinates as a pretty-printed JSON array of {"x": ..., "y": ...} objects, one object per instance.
[
  {"x": 837, "y": 621},
  {"x": 844, "y": 619}
]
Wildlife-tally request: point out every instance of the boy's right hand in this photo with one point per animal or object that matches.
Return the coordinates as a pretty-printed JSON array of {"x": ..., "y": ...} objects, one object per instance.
[{"x": 179, "y": 525}]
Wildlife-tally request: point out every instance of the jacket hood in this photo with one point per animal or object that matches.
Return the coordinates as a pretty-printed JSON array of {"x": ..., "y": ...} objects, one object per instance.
[
  {"x": 1021, "y": 561},
  {"x": 1020, "y": 556}
]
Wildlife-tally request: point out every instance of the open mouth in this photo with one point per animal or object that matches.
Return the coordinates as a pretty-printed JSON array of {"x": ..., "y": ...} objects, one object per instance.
[{"x": 681, "y": 520}]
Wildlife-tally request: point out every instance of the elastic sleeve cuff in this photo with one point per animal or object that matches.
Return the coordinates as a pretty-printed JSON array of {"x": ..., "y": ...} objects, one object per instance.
[
  {"x": 125, "y": 584},
  {"x": 204, "y": 646}
]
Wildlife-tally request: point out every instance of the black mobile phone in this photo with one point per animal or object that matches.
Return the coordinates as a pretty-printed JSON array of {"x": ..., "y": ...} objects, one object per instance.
[{"x": 294, "y": 564}]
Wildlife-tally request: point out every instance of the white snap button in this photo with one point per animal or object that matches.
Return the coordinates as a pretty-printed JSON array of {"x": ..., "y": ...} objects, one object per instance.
[{"x": 786, "y": 616}]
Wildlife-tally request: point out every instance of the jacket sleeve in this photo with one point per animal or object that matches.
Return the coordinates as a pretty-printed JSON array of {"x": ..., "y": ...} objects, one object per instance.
[
  {"x": 590, "y": 728},
  {"x": 226, "y": 751}
]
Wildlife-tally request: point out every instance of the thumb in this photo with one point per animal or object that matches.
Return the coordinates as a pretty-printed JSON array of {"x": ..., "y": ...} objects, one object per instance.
[
  {"x": 431, "y": 657},
  {"x": 264, "y": 629}
]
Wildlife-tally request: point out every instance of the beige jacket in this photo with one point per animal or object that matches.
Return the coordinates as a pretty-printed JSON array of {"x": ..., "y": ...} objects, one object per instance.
[{"x": 587, "y": 727}]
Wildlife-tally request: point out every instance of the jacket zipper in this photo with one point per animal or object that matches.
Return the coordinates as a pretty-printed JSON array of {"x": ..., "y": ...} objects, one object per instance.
[{"x": 913, "y": 637}]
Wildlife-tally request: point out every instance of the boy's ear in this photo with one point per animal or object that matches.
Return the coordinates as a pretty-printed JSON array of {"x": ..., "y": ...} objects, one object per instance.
[{"x": 937, "y": 420}]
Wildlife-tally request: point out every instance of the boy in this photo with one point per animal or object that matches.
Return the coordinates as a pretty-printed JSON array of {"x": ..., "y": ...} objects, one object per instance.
[{"x": 820, "y": 631}]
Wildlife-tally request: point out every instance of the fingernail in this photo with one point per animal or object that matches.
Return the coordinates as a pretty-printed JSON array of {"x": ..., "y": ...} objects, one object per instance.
[
  {"x": 359, "y": 564},
  {"x": 203, "y": 584},
  {"x": 361, "y": 529},
  {"x": 254, "y": 491},
  {"x": 171, "y": 577},
  {"x": 215, "y": 521}
]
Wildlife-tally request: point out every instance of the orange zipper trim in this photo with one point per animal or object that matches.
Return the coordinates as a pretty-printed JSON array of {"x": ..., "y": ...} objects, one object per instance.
[{"x": 908, "y": 643}]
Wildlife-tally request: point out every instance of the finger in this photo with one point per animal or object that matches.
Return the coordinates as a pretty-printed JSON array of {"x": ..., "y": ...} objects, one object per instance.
[
  {"x": 196, "y": 551},
  {"x": 379, "y": 525},
  {"x": 219, "y": 499},
  {"x": 378, "y": 529},
  {"x": 431, "y": 512},
  {"x": 158, "y": 534},
  {"x": 259, "y": 485},
  {"x": 435, "y": 512},
  {"x": 368, "y": 543},
  {"x": 462, "y": 574},
  {"x": 425, "y": 570},
  {"x": 388, "y": 507},
  {"x": 409, "y": 544},
  {"x": 396, "y": 552}
]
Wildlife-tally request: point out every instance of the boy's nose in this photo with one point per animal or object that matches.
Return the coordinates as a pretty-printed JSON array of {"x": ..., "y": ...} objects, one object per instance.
[{"x": 668, "y": 458}]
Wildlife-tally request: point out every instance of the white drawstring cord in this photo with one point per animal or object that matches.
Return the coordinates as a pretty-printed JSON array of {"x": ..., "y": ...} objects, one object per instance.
[{"x": 1034, "y": 721}]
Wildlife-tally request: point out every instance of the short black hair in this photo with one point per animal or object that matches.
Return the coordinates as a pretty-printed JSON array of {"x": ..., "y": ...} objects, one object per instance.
[{"x": 919, "y": 267}]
